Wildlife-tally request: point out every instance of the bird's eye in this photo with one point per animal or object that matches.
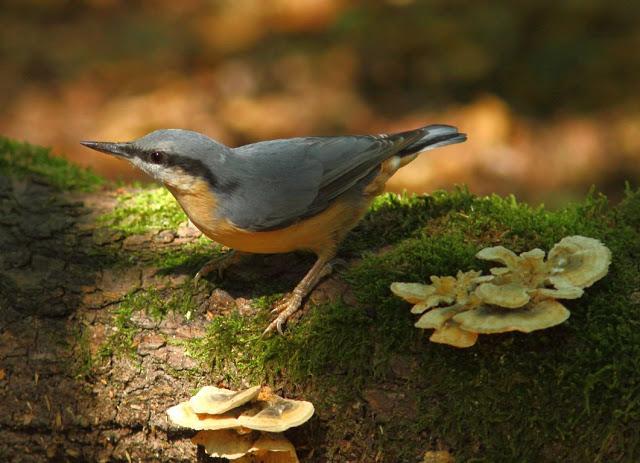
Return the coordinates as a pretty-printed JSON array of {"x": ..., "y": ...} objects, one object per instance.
[{"x": 156, "y": 157}]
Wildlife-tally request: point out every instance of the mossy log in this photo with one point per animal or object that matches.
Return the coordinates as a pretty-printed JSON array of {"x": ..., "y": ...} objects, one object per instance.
[{"x": 102, "y": 329}]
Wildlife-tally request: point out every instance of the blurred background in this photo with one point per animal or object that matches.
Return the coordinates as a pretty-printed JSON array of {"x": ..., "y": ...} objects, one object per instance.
[{"x": 548, "y": 91}]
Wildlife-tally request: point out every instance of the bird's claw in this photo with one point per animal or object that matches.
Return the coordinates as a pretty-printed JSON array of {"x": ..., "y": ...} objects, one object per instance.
[
  {"x": 201, "y": 274},
  {"x": 335, "y": 263},
  {"x": 281, "y": 305},
  {"x": 284, "y": 309},
  {"x": 292, "y": 302},
  {"x": 271, "y": 328},
  {"x": 218, "y": 264},
  {"x": 275, "y": 325}
]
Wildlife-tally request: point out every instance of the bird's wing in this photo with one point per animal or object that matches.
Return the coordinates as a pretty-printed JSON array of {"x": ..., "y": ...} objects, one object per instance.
[{"x": 282, "y": 181}]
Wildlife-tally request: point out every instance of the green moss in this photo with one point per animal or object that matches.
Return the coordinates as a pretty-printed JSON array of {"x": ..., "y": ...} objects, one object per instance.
[
  {"x": 23, "y": 159},
  {"x": 321, "y": 348},
  {"x": 154, "y": 302},
  {"x": 231, "y": 346},
  {"x": 569, "y": 393},
  {"x": 629, "y": 210},
  {"x": 392, "y": 217},
  {"x": 564, "y": 394},
  {"x": 146, "y": 210},
  {"x": 159, "y": 302},
  {"x": 80, "y": 361},
  {"x": 191, "y": 255},
  {"x": 120, "y": 342}
]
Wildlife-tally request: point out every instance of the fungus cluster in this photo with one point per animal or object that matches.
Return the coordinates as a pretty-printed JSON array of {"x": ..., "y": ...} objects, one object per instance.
[
  {"x": 243, "y": 426},
  {"x": 522, "y": 295}
]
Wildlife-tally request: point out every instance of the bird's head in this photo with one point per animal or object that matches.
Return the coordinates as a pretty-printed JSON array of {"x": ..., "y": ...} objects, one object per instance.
[{"x": 179, "y": 159}]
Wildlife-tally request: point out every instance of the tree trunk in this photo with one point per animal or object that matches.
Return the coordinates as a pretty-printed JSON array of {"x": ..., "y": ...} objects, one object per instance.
[{"x": 60, "y": 282}]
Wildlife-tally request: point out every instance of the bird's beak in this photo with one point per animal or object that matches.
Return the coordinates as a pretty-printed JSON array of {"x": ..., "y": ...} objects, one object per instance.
[{"x": 123, "y": 150}]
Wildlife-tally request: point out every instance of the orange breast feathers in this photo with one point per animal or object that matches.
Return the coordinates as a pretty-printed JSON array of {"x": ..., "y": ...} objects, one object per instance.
[{"x": 316, "y": 233}]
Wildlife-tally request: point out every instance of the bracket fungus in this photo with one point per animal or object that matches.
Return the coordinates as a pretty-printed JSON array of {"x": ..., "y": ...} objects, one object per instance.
[
  {"x": 277, "y": 415},
  {"x": 214, "y": 400},
  {"x": 520, "y": 296},
  {"x": 492, "y": 319},
  {"x": 224, "y": 443},
  {"x": 457, "y": 290},
  {"x": 271, "y": 448},
  {"x": 243, "y": 426},
  {"x": 578, "y": 261},
  {"x": 183, "y": 415},
  {"x": 246, "y": 448}
]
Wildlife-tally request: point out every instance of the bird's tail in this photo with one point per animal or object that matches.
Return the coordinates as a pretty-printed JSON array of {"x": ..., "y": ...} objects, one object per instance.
[{"x": 434, "y": 136}]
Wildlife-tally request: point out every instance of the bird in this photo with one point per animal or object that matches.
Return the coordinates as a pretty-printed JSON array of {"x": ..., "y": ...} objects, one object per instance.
[{"x": 277, "y": 196}]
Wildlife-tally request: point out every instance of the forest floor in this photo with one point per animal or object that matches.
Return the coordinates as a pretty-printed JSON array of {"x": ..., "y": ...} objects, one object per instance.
[{"x": 102, "y": 329}]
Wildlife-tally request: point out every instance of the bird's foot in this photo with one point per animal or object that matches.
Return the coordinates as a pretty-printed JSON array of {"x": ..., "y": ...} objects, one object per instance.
[
  {"x": 289, "y": 304},
  {"x": 217, "y": 264},
  {"x": 285, "y": 308},
  {"x": 333, "y": 265}
]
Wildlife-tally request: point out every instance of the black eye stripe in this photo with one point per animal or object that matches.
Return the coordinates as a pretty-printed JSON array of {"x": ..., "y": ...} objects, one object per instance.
[{"x": 192, "y": 166}]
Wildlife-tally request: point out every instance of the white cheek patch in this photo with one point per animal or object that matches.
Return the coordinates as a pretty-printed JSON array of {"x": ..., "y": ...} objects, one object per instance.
[
  {"x": 146, "y": 167},
  {"x": 136, "y": 161},
  {"x": 153, "y": 170},
  {"x": 174, "y": 177},
  {"x": 177, "y": 178}
]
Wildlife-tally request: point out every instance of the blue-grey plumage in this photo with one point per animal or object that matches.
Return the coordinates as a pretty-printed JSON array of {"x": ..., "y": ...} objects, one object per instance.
[
  {"x": 278, "y": 195},
  {"x": 289, "y": 180}
]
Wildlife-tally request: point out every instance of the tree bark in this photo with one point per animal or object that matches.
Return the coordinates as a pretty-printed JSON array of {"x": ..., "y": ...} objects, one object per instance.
[{"x": 59, "y": 285}]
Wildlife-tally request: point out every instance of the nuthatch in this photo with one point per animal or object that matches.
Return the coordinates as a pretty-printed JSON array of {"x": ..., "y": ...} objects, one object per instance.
[{"x": 281, "y": 195}]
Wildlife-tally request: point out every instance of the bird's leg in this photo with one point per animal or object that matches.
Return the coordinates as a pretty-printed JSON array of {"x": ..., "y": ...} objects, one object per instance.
[
  {"x": 288, "y": 307},
  {"x": 219, "y": 264}
]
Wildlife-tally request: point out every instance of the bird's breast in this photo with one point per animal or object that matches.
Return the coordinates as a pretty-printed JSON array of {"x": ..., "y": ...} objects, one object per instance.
[{"x": 313, "y": 233}]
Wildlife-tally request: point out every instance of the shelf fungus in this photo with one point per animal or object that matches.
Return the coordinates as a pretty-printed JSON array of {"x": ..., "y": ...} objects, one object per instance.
[
  {"x": 456, "y": 291},
  {"x": 522, "y": 295},
  {"x": 578, "y": 261},
  {"x": 214, "y": 400},
  {"x": 243, "y": 426}
]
